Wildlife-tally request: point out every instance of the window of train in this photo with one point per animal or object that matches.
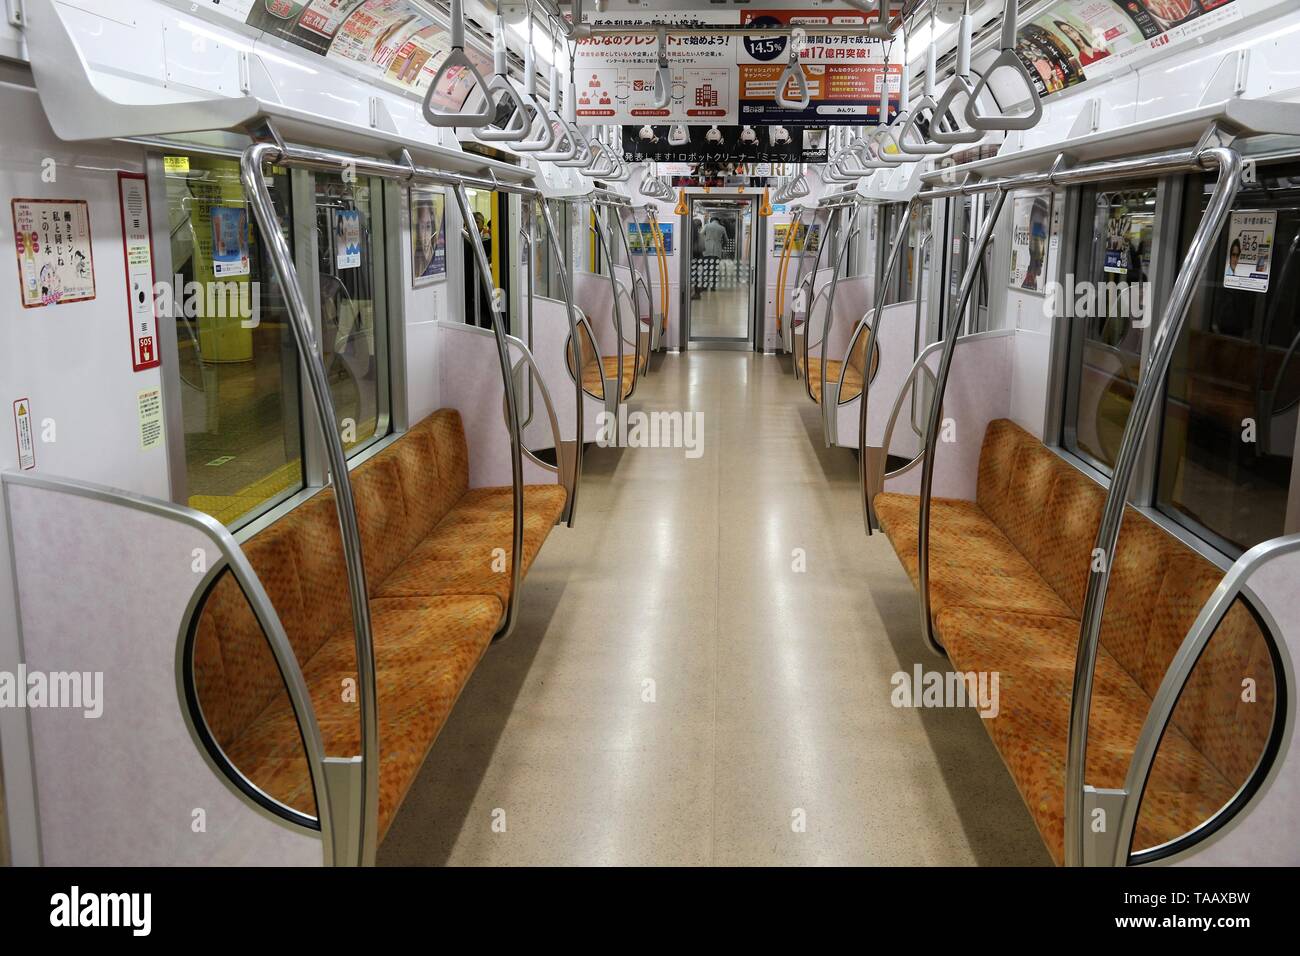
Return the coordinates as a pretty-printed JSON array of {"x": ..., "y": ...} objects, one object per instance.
[
  {"x": 484, "y": 229},
  {"x": 965, "y": 213},
  {"x": 1105, "y": 301},
  {"x": 236, "y": 357},
  {"x": 1229, "y": 426},
  {"x": 353, "y": 314},
  {"x": 901, "y": 287}
]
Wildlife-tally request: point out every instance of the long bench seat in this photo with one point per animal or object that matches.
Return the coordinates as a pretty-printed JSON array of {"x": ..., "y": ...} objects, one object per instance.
[
  {"x": 437, "y": 597},
  {"x": 1008, "y": 575}
]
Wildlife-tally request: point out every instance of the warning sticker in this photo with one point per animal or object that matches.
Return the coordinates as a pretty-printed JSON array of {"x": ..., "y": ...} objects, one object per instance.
[
  {"x": 55, "y": 261},
  {"x": 1250, "y": 250},
  {"x": 26, "y": 438},
  {"x": 151, "y": 425},
  {"x": 137, "y": 247}
]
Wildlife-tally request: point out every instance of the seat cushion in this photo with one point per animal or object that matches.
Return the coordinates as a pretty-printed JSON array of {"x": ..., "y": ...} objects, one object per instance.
[
  {"x": 972, "y": 564},
  {"x": 425, "y": 650},
  {"x": 461, "y": 556},
  {"x": 852, "y": 379},
  {"x": 1034, "y": 657},
  {"x": 592, "y": 373}
]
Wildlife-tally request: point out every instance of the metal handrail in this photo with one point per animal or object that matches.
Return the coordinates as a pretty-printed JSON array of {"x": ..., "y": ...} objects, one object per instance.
[
  {"x": 1229, "y": 163},
  {"x": 832, "y": 224},
  {"x": 598, "y": 227},
  {"x": 252, "y": 162},
  {"x": 891, "y": 266},
  {"x": 553, "y": 236},
  {"x": 830, "y": 299},
  {"x": 497, "y": 309},
  {"x": 931, "y": 436}
]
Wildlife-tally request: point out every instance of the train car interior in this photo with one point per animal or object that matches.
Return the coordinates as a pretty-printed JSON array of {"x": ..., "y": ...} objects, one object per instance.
[{"x": 611, "y": 433}]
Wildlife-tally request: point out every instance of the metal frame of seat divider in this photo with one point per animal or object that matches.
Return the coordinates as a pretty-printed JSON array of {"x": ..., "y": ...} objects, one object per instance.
[
  {"x": 359, "y": 776},
  {"x": 841, "y": 257},
  {"x": 809, "y": 281},
  {"x": 598, "y": 227},
  {"x": 621, "y": 205},
  {"x": 1209, "y": 154}
]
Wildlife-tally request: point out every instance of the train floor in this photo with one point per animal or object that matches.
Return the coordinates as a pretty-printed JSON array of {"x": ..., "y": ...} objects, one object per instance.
[{"x": 678, "y": 691}]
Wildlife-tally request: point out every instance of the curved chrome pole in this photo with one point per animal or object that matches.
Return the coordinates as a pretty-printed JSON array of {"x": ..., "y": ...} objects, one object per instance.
[
  {"x": 1151, "y": 386},
  {"x": 830, "y": 305},
  {"x": 598, "y": 227},
  {"x": 554, "y": 237},
  {"x": 936, "y": 409},
  {"x": 252, "y": 162},
  {"x": 832, "y": 225},
  {"x": 895, "y": 253},
  {"x": 484, "y": 269}
]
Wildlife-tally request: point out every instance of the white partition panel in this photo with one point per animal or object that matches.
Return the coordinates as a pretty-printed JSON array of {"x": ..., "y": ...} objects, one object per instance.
[
  {"x": 470, "y": 378},
  {"x": 895, "y": 341},
  {"x": 979, "y": 391},
  {"x": 106, "y": 583},
  {"x": 550, "y": 350}
]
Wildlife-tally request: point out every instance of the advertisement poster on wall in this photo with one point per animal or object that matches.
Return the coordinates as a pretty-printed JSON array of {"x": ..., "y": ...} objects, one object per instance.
[
  {"x": 640, "y": 236},
  {"x": 55, "y": 260},
  {"x": 230, "y": 242},
  {"x": 1030, "y": 225},
  {"x": 614, "y": 74},
  {"x": 347, "y": 238},
  {"x": 1078, "y": 40},
  {"x": 428, "y": 236},
  {"x": 843, "y": 72},
  {"x": 1249, "y": 261}
]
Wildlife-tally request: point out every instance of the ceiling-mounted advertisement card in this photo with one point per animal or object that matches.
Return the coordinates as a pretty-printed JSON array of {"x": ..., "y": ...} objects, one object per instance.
[
  {"x": 719, "y": 144},
  {"x": 1030, "y": 227},
  {"x": 843, "y": 71},
  {"x": 56, "y": 261},
  {"x": 1249, "y": 262},
  {"x": 614, "y": 74}
]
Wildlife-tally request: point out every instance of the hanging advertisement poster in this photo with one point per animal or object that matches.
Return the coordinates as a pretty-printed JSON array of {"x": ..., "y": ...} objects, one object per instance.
[
  {"x": 56, "y": 264},
  {"x": 720, "y": 144},
  {"x": 229, "y": 242},
  {"x": 428, "y": 236},
  {"x": 640, "y": 235},
  {"x": 614, "y": 74},
  {"x": 1030, "y": 225},
  {"x": 347, "y": 238},
  {"x": 780, "y": 231},
  {"x": 1250, "y": 250},
  {"x": 843, "y": 71}
]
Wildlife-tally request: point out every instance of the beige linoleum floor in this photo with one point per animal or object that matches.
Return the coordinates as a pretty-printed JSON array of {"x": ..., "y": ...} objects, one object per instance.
[{"x": 771, "y": 688}]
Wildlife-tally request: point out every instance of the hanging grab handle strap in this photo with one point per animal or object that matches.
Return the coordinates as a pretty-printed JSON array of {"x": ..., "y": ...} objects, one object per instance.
[
  {"x": 793, "y": 72},
  {"x": 1008, "y": 59},
  {"x": 664, "y": 76},
  {"x": 910, "y": 139},
  {"x": 521, "y": 122},
  {"x": 456, "y": 57}
]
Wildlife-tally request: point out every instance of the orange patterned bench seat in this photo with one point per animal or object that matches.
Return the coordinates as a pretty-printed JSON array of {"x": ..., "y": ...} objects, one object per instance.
[
  {"x": 436, "y": 599},
  {"x": 1008, "y": 575}
]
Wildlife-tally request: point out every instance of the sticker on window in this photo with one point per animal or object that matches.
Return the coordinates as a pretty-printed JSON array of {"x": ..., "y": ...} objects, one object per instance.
[{"x": 1250, "y": 250}]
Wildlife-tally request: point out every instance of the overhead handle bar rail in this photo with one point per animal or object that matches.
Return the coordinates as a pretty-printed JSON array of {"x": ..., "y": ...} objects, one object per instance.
[
  {"x": 455, "y": 59},
  {"x": 1008, "y": 60}
]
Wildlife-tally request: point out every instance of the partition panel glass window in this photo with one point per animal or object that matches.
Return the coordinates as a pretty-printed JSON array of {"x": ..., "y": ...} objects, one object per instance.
[
  {"x": 1105, "y": 301},
  {"x": 1229, "y": 427},
  {"x": 353, "y": 314},
  {"x": 237, "y": 364}
]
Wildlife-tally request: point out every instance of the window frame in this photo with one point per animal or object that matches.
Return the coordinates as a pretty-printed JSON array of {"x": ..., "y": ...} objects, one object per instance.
[
  {"x": 389, "y": 287},
  {"x": 1170, "y": 194}
]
